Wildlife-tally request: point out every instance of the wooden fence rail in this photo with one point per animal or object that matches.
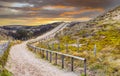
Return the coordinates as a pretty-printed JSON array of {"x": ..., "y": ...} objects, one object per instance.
[{"x": 49, "y": 54}]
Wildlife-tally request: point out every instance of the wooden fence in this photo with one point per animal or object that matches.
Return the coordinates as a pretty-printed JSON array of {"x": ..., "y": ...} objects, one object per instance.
[{"x": 47, "y": 54}]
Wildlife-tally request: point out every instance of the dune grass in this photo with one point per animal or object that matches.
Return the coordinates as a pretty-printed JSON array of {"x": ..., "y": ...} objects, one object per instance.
[{"x": 107, "y": 41}]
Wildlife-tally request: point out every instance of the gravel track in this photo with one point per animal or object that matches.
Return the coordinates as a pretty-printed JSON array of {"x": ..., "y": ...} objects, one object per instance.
[{"x": 22, "y": 62}]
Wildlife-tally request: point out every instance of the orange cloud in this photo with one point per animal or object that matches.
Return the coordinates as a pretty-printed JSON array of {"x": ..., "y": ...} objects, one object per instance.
[
  {"x": 35, "y": 8},
  {"x": 32, "y": 13},
  {"x": 39, "y": 21},
  {"x": 82, "y": 11},
  {"x": 61, "y": 6},
  {"x": 6, "y": 21},
  {"x": 51, "y": 7},
  {"x": 58, "y": 7}
]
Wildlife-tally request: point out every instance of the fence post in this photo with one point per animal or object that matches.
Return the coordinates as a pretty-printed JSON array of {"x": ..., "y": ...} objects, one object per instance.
[
  {"x": 78, "y": 45},
  {"x": 56, "y": 58},
  {"x": 85, "y": 67},
  {"x": 72, "y": 62},
  {"x": 48, "y": 46},
  {"x": 62, "y": 61},
  {"x": 50, "y": 57},
  {"x": 46, "y": 55},
  {"x": 67, "y": 47},
  {"x": 95, "y": 50},
  {"x": 59, "y": 46},
  {"x": 42, "y": 53},
  {"x": 52, "y": 46},
  {"x": 35, "y": 50}
]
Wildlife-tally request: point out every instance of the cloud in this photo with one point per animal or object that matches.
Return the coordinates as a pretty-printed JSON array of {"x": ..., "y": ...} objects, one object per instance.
[
  {"x": 82, "y": 11},
  {"x": 9, "y": 11},
  {"x": 15, "y": 4},
  {"x": 32, "y": 13},
  {"x": 92, "y": 3},
  {"x": 53, "y": 10},
  {"x": 35, "y": 9},
  {"x": 58, "y": 8},
  {"x": 22, "y": 5}
]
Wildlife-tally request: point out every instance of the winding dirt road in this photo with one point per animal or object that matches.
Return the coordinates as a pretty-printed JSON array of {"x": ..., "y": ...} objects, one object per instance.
[{"x": 22, "y": 62}]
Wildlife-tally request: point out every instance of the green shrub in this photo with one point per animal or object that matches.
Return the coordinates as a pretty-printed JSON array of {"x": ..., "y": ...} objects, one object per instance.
[{"x": 5, "y": 73}]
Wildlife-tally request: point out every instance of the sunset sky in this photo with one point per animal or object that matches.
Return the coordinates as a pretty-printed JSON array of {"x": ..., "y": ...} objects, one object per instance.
[{"x": 36, "y": 12}]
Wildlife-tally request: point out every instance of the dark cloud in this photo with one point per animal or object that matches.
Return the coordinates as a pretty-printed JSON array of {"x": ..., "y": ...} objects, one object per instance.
[{"x": 54, "y": 8}]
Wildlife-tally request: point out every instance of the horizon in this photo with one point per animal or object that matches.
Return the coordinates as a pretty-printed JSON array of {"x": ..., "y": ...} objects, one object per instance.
[
  {"x": 47, "y": 22},
  {"x": 40, "y": 12}
]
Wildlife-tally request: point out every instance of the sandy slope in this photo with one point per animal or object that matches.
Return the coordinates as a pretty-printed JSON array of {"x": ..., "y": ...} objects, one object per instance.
[{"x": 22, "y": 62}]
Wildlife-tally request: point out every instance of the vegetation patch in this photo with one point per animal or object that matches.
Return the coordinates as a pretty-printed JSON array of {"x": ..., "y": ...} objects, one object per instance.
[{"x": 3, "y": 60}]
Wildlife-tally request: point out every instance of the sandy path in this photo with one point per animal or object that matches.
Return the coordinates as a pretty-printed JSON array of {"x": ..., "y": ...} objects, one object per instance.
[{"x": 22, "y": 62}]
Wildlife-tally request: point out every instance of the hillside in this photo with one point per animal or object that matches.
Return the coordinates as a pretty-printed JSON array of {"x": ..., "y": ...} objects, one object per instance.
[
  {"x": 111, "y": 17},
  {"x": 23, "y": 32},
  {"x": 100, "y": 41},
  {"x": 3, "y": 34}
]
